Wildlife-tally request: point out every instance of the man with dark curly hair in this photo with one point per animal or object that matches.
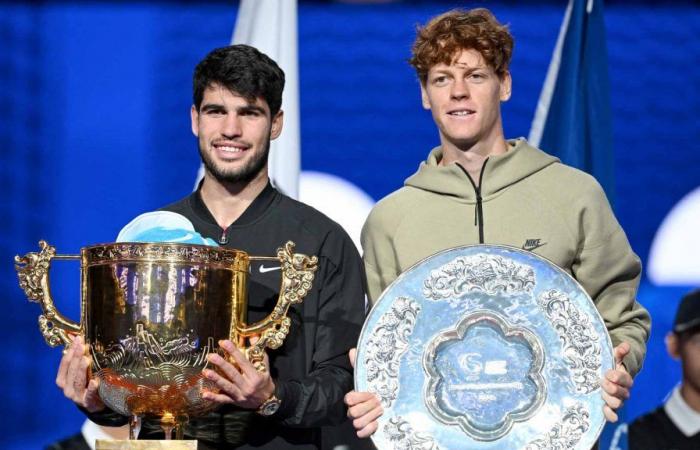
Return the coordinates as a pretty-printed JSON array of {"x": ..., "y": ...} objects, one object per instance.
[{"x": 476, "y": 187}]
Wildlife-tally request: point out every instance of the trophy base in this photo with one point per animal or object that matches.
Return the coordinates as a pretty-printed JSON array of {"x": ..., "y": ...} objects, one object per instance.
[{"x": 101, "y": 444}]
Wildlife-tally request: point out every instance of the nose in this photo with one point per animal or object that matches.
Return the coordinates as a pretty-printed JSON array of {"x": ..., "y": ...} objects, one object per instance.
[
  {"x": 231, "y": 127},
  {"x": 460, "y": 89}
]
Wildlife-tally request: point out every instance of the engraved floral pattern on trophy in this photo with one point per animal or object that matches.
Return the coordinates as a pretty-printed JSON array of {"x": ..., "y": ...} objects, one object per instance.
[
  {"x": 580, "y": 343},
  {"x": 490, "y": 274},
  {"x": 566, "y": 433},
  {"x": 162, "y": 374},
  {"x": 402, "y": 435},
  {"x": 387, "y": 345},
  {"x": 150, "y": 359},
  {"x": 484, "y": 375}
]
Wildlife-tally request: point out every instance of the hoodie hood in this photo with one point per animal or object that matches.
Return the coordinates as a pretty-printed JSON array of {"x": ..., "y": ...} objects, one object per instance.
[{"x": 519, "y": 162}]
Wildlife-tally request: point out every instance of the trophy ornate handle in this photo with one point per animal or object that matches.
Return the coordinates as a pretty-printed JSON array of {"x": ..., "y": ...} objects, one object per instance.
[
  {"x": 297, "y": 276},
  {"x": 33, "y": 272}
]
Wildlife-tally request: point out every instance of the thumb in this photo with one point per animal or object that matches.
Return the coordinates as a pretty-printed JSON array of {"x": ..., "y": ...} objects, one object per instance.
[
  {"x": 620, "y": 352},
  {"x": 352, "y": 355}
]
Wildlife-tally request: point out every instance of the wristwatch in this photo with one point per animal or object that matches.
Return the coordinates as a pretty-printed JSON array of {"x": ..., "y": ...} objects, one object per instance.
[{"x": 269, "y": 406}]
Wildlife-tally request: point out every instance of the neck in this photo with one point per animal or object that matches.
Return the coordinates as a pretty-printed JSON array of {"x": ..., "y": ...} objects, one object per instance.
[
  {"x": 227, "y": 201},
  {"x": 473, "y": 156},
  {"x": 691, "y": 396}
]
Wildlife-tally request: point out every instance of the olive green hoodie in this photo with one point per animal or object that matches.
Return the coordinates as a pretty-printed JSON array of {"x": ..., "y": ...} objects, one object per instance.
[{"x": 528, "y": 200}]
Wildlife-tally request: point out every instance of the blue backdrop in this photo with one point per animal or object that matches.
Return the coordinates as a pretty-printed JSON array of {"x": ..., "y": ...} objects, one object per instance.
[{"x": 94, "y": 127}]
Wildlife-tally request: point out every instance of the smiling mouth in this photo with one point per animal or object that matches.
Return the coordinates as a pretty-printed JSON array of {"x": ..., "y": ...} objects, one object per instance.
[
  {"x": 461, "y": 113},
  {"x": 230, "y": 149}
]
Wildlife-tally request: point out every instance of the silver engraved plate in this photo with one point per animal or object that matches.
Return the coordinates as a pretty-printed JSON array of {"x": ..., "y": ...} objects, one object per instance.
[{"x": 485, "y": 347}]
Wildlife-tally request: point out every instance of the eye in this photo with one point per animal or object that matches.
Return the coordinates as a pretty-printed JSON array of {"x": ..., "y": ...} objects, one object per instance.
[
  {"x": 215, "y": 112},
  {"x": 440, "y": 80}
]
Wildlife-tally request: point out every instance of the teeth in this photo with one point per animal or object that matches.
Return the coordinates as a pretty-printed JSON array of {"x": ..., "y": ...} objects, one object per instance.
[
  {"x": 230, "y": 149},
  {"x": 460, "y": 113}
]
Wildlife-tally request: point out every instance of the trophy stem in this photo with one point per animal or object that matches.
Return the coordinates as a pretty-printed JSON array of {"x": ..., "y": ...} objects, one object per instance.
[
  {"x": 167, "y": 423},
  {"x": 180, "y": 430},
  {"x": 133, "y": 427}
]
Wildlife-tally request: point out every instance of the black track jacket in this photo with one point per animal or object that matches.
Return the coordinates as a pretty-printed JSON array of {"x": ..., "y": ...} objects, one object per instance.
[{"x": 311, "y": 370}]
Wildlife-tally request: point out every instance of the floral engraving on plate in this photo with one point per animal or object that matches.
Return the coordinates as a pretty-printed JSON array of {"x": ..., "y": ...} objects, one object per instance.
[
  {"x": 490, "y": 274},
  {"x": 565, "y": 434},
  {"x": 386, "y": 346},
  {"x": 580, "y": 342},
  {"x": 402, "y": 435}
]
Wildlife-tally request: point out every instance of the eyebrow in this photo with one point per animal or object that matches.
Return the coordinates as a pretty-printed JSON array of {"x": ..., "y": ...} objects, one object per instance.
[
  {"x": 212, "y": 107},
  {"x": 251, "y": 108},
  {"x": 208, "y": 107}
]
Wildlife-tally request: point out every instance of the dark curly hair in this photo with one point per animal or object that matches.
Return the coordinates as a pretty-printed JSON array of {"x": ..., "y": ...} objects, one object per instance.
[
  {"x": 444, "y": 36},
  {"x": 242, "y": 69}
]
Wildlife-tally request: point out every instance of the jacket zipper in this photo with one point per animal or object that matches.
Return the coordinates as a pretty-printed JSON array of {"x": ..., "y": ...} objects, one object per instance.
[
  {"x": 223, "y": 240},
  {"x": 479, "y": 211}
]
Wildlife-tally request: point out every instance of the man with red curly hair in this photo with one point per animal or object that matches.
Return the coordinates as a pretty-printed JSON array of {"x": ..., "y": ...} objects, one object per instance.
[{"x": 477, "y": 187}]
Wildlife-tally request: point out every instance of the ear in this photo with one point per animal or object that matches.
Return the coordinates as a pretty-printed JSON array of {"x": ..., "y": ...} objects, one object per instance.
[
  {"x": 673, "y": 345},
  {"x": 424, "y": 96},
  {"x": 506, "y": 85},
  {"x": 277, "y": 122},
  {"x": 194, "y": 117}
]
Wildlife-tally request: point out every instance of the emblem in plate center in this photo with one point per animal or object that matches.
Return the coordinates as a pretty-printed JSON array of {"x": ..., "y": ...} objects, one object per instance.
[{"x": 483, "y": 375}]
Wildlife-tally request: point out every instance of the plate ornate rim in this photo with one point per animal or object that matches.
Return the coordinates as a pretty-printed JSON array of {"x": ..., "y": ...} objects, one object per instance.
[{"x": 386, "y": 340}]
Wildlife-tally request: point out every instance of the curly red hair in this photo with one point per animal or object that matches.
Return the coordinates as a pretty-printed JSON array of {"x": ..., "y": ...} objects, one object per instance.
[{"x": 441, "y": 39}]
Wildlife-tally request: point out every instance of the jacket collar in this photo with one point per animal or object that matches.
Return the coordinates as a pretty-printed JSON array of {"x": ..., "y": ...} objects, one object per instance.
[{"x": 254, "y": 210}]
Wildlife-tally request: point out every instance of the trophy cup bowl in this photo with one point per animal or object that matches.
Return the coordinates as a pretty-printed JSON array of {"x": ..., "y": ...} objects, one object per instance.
[{"x": 152, "y": 312}]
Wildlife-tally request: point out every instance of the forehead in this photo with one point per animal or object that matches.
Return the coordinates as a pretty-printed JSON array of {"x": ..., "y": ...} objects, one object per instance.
[
  {"x": 463, "y": 59},
  {"x": 216, "y": 93}
]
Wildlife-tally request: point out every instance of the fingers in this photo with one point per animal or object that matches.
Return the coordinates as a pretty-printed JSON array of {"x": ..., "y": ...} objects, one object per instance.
[
  {"x": 614, "y": 394},
  {"x": 615, "y": 387},
  {"x": 353, "y": 398},
  {"x": 368, "y": 431},
  {"x": 72, "y": 378},
  {"x": 229, "y": 382},
  {"x": 611, "y": 401},
  {"x": 609, "y": 414},
  {"x": 364, "y": 408},
  {"x": 245, "y": 367},
  {"x": 240, "y": 383},
  {"x": 76, "y": 382},
  {"x": 93, "y": 402},
  {"x": 221, "y": 399},
  {"x": 63, "y": 366},
  {"x": 353, "y": 356},
  {"x": 75, "y": 377}
]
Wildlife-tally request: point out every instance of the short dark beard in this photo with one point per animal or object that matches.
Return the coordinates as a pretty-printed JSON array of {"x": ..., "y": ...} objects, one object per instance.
[{"x": 244, "y": 175}]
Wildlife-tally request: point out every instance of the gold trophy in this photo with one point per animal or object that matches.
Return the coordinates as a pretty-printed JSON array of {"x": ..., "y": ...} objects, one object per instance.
[{"x": 152, "y": 312}]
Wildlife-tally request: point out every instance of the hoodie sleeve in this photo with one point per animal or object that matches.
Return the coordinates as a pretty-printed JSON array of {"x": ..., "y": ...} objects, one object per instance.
[
  {"x": 381, "y": 266},
  {"x": 610, "y": 271}
]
